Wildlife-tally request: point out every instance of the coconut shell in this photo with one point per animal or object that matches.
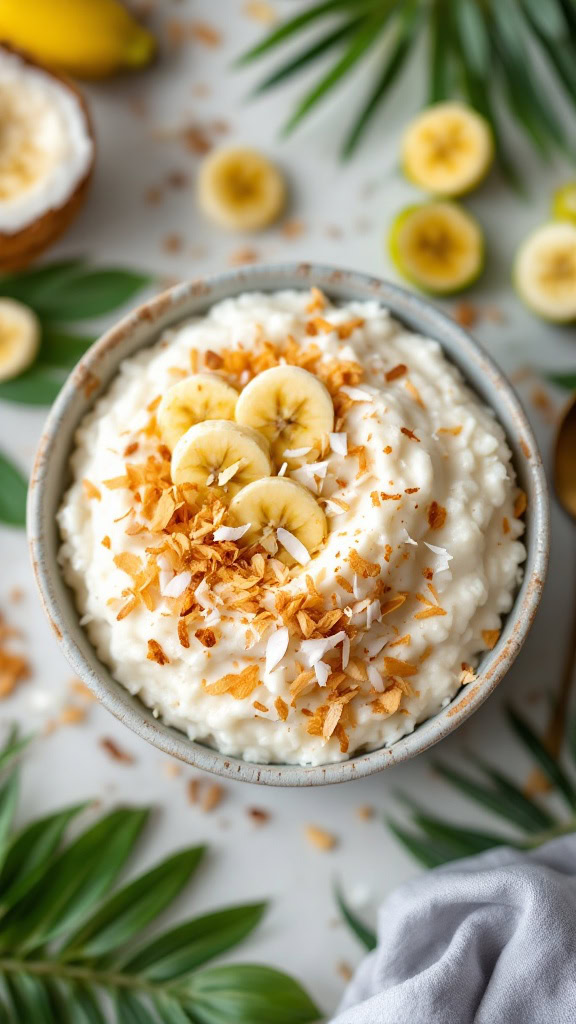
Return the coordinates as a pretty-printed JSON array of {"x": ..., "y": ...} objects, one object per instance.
[{"x": 22, "y": 247}]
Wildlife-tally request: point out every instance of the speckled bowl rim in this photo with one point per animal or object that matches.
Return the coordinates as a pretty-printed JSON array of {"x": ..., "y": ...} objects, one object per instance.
[{"x": 141, "y": 328}]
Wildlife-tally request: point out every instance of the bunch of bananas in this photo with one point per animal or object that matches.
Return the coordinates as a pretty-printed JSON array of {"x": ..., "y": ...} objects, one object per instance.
[
  {"x": 83, "y": 38},
  {"x": 234, "y": 443}
]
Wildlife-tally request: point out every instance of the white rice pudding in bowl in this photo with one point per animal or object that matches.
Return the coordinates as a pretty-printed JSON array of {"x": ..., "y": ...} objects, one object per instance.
[{"x": 293, "y": 529}]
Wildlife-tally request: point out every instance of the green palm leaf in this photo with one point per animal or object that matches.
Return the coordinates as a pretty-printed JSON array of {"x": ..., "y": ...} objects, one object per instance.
[
  {"x": 367, "y": 937},
  {"x": 68, "y": 935}
]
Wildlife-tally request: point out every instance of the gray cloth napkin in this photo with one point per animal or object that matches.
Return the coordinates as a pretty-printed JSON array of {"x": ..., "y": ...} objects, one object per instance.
[{"x": 490, "y": 940}]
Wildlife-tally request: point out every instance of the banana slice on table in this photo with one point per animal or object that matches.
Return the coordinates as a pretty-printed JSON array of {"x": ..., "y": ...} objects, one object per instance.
[
  {"x": 437, "y": 246},
  {"x": 19, "y": 338},
  {"x": 564, "y": 203},
  {"x": 222, "y": 455},
  {"x": 277, "y": 502},
  {"x": 292, "y": 408},
  {"x": 545, "y": 271},
  {"x": 240, "y": 189},
  {"x": 203, "y": 396},
  {"x": 448, "y": 149}
]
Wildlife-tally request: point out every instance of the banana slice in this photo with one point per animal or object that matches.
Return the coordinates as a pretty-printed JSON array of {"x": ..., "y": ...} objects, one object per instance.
[
  {"x": 437, "y": 246},
  {"x": 203, "y": 396},
  {"x": 448, "y": 149},
  {"x": 222, "y": 455},
  {"x": 545, "y": 272},
  {"x": 564, "y": 203},
  {"x": 292, "y": 408},
  {"x": 280, "y": 503},
  {"x": 240, "y": 189},
  {"x": 19, "y": 338}
]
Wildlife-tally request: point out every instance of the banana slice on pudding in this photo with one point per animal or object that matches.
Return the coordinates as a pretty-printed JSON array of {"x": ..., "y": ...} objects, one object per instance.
[
  {"x": 19, "y": 338},
  {"x": 240, "y": 189},
  {"x": 275, "y": 504},
  {"x": 203, "y": 396},
  {"x": 220, "y": 454},
  {"x": 448, "y": 149},
  {"x": 292, "y": 408}
]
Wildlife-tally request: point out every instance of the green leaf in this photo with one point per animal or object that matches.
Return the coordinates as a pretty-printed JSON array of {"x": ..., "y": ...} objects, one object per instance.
[
  {"x": 360, "y": 43},
  {"x": 5, "y": 1017},
  {"x": 505, "y": 799},
  {"x": 170, "y": 1010},
  {"x": 463, "y": 842},
  {"x": 30, "y": 998},
  {"x": 83, "y": 1003},
  {"x": 249, "y": 994},
  {"x": 431, "y": 853},
  {"x": 8, "y": 802},
  {"x": 39, "y": 385},
  {"x": 547, "y": 17},
  {"x": 563, "y": 380},
  {"x": 73, "y": 882},
  {"x": 61, "y": 349},
  {"x": 188, "y": 946},
  {"x": 291, "y": 27},
  {"x": 131, "y": 909},
  {"x": 131, "y": 1010},
  {"x": 25, "y": 284},
  {"x": 13, "y": 488},
  {"x": 440, "y": 69},
  {"x": 472, "y": 32},
  {"x": 307, "y": 56},
  {"x": 548, "y": 764},
  {"x": 13, "y": 745},
  {"x": 29, "y": 852},
  {"x": 366, "y": 936},
  {"x": 87, "y": 293},
  {"x": 392, "y": 67}
]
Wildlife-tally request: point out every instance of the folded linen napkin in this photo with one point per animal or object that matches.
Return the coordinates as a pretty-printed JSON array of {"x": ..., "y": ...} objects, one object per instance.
[{"x": 486, "y": 940}]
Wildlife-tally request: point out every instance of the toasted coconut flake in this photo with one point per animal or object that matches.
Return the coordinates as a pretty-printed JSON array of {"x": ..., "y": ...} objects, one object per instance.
[
  {"x": 183, "y": 634},
  {"x": 339, "y": 443},
  {"x": 239, "y": 686},
  {"x": 213, "y": 796},
  {"x": 393, "y": 604},
  {"x": 394, "y": 667},
  {"x": 231, "y": 532},
  {"x": 520, "y": 504},
  {"x": 91, "y": 491},
  {"x": 207, "y": 637},
  {"x": 345, "y": 651},
  {"x": 409, "y": 434},
  {"x": 317, "y": 301},
  {"x": 282, "y": 709},
  {"x": 429, "y": 613},
  {"x": 129, "y": 563},
  {"x": 390, "y": 497},
  {"x": 362, "y": 567},
  {"x": 177, "y": 585},
  {"x": 490, "y": 638},
  {"x": 375, "y": 497},
  {"x": 450, "y": 430},
  {"x": 357, "y": 394},
  {"x": 436, "y": 516},
  {"x": 467, "y": 675},
  {"x": 276, "y": 648},
  {"x": 396, "y": 372},
  {"x": 332, "y": 718},
  {"x": 294, "y": 547},
  {"x": 226, "y": 475},
  {"x": 155, "y": 653},
  {"x": 319, "y": 838},
  {"x": 115, "y": 752},
  {"x": 389, "y": 702}
]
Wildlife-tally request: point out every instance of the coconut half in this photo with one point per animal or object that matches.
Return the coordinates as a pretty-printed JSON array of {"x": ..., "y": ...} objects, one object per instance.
[{"x": 46, "y": 157}]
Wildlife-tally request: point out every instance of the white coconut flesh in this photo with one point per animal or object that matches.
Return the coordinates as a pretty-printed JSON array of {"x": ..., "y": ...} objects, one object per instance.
[{"x": 45, "y": 144}]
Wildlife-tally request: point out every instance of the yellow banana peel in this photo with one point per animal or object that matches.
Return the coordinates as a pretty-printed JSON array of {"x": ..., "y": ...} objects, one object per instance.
[{"x": 83, "y": 38}]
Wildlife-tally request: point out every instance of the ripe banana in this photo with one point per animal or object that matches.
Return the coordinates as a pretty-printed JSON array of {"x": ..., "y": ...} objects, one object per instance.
[
  {"x": 545, "y": 271},
  {"x": 292, "y": 408},
  {"x": 437, "y": 246},
  {"x": 203, "y": 396},
  {"x": 564, "y": 204},
  {"x": 220, "y": 455},
  {"x": 19, "y": 338},
  {"x": 84, "y": 38},
  {"x": 448, "y": 149},
  {"x": 275, "y": 502},
  {"x": 240, "y": 189}
]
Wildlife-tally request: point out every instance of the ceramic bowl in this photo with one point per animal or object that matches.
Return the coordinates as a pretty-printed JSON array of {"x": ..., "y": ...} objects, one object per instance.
[{"x": 91, "y": 377}]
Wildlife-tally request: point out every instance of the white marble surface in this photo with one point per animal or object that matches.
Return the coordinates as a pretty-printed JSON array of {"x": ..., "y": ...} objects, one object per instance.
[{"x": 135, "y": 154}]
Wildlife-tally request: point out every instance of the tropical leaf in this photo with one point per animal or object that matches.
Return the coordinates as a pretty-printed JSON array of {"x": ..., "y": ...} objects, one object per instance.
[
  {"x": 61, "y": 349},
  {"x": 68, "y": 291},
  {"x": 13, "y": 488},
  {"x": 492, "y": 39},
  {"x": 549, "y": 765},
  {"x": 68, "y": 934},
  {"x": 367, "y": 937},
  {"x": 563, "y": 380},
  {"x": 39, "y": 385}
]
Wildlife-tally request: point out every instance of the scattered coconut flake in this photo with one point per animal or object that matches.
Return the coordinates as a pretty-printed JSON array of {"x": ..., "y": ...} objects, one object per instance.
[
  {"x": 339, "y": 443},
  {"x": 405, "y": 538},
  {"x": 375, "y": 678},
  {"x": 177, "y": 585},
  {"x": 322, "y": 670},
  {"x": 332, "y": 509},
  {"x": 209, "y": 479},
  {"x": 204, "y": 595},
  {"x": 293, "y": 546},
  {"x": 295, "y": 453},
  {"x": 227, "y": 474},
  {"x": 356, "y": 394},
  {"x": 86, "y": 619},
  {"x": 213, "y": 619},
  {"x": 444, "y": 558},
  {"x": 375, "y": 646},
  {"x": 231, "y": 532},
  {"x": 356, "y": 586},
  {"x": 276, "y": 647},
  {"x": 283, "y": 469},
  {"x": 314, "y": 650},
  {"x": 345, "y": 652},
  {"x": 373, "y": 613}
]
